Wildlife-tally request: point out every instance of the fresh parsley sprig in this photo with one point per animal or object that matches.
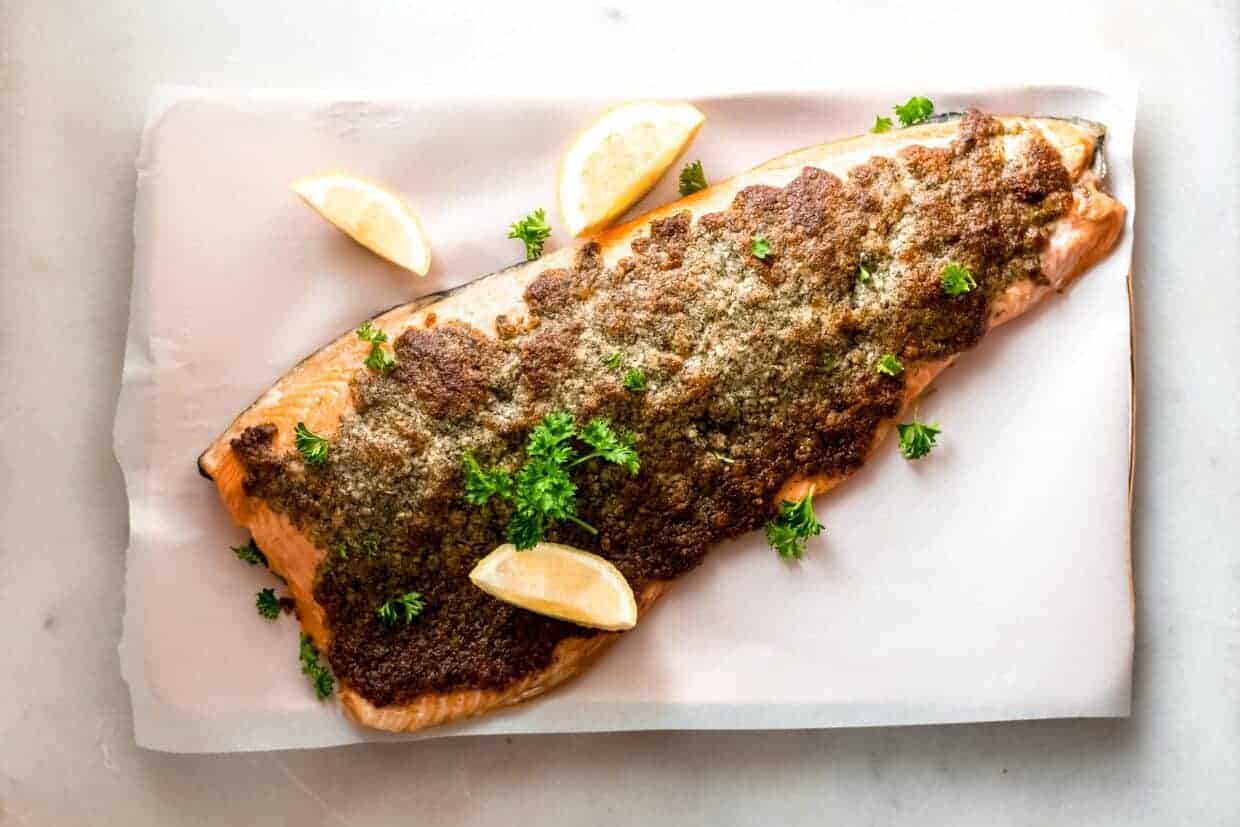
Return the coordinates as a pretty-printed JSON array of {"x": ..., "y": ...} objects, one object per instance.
[
  {"x": 917, "y": 438},
  {"x": 692, "y": 178},
  {"x": 379, "y": 359},
  {"x": 633, "y": 380},
  {"x": 794, "y": 525},
  {"x": 313, "y": 447},
  {"x": 401, "y": 609},
  {"x": 320, "y": 676},
  {"x": 532, "y": 231},
  {"x": 542, "y": 492},
  {"x": 957, "y": 279}
]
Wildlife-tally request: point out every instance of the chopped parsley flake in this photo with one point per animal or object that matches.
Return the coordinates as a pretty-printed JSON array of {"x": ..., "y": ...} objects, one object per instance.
[
  {"x": 268, "y": 604},
  {"x": 881, "y": 124},
  {"x": 614, "y": 361},
  {"x": 635, "y": 380},
  {"x": 692, "y": 178},
  {"x": 250, "y": 553},
  {"x": 379, "y": 359},
  {"x": 957, "y": 279},
  {"x": 890, "y": 365},
  {"x": 320, "y": 676},
  {"x": 367, "y": 332},
  {"x": 402, "y": 609},
  {"x": 863, "y": 275},
  {"x": 760, "y": 246}
]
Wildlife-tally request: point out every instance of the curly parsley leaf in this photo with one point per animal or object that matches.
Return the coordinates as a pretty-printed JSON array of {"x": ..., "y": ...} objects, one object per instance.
[
  {"x": 401, "y": 609},
  {"x": 367, "y": 332},
  {"x": 760, "y": 246},
  {"x": 482, "y": 484},
  {"x": 609, "y": 444},
  {"x": 692, "y": 178},
  {"x": 379, "y": 360},
  {"x": 550, "y": 439},
  {"x": 532, "y": 231},
  {"x": 914, "y": 111},
  {"x": 313, "y": 447},
  {"x": 957, "y": 279},
  {"x": 795, "y": 524},
  {"x": 250, "y": 553},
  {"x": 890, "y": 365},
  {"x": 634, "y": 380},
  {"x": 544, "y": 487},
  {"x": 544, "y": 493},
  {"x": 268, "y": 604},
  {"x": 320, "y": 676},
  {"x": 881, "y": 124},
  {"x": 917, "y": 438},
  {"x": 525, "y": 528}
]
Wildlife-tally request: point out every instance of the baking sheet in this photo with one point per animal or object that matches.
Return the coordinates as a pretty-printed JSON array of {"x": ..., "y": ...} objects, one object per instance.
[{"x": 991, "y": 581}]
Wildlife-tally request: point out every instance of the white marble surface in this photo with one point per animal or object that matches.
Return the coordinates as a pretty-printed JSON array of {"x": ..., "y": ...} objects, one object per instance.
[{"x": 75, "y": 80}]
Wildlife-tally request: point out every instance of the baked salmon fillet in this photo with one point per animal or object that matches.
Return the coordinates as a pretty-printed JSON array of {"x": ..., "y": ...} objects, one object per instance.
[{"x": 778, "y": 324}]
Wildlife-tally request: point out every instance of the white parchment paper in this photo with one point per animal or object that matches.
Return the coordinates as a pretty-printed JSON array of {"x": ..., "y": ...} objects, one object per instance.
[{"x": 990, "y": 581}]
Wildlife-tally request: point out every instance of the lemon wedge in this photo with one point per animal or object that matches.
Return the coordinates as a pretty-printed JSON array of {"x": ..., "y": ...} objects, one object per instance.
[
  {"x": 619, "y": 157},
  {"x": 561, "y": 582},
  {"x": 370, "y": 215}
]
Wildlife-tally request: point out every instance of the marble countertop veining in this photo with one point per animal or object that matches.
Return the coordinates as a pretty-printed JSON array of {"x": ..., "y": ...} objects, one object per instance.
[{"x": 76, "y": 76}]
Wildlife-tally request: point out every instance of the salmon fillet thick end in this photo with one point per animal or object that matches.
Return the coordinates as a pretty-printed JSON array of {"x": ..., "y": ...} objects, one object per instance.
[{"x": 317, "y": 390}]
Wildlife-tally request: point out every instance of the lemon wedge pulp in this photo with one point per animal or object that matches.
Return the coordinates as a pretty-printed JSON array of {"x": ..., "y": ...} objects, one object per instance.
[
  {"x": 561, "y": 582},
  {"x": 619, "y": 157},
  {"x": 373, "y": 217}
]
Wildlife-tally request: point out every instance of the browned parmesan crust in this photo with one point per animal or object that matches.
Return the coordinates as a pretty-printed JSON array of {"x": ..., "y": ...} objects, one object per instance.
[{"x": 758, "y": 372}]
